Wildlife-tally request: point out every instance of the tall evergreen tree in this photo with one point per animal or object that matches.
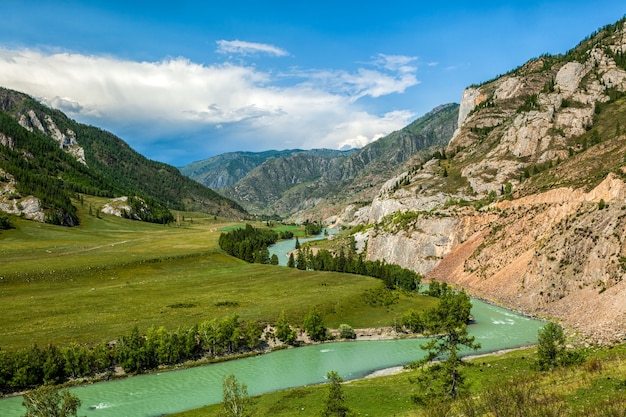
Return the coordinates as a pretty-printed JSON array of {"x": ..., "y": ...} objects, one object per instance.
[
  {"x": 447, "y": 323},
  {"x": 335, "y": 405}
]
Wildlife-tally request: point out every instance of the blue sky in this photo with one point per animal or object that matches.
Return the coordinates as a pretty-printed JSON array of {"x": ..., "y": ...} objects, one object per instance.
[{"x": 184, "y": 80}]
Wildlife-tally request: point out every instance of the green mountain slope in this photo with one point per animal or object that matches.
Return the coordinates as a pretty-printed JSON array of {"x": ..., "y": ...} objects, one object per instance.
[{"x": 51, "y": 157}]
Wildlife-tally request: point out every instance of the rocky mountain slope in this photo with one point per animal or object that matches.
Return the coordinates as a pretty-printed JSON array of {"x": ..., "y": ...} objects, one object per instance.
[
  {"x": 225, "y": 170},
  {"x": 528, "y": 206},
  {"x": 46, "y": 159},
  {"x": 313, "y": 184}
]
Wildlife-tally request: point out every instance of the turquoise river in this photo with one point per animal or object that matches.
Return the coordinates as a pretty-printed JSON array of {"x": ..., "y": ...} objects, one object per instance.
[{"x": 156, "y": 394}]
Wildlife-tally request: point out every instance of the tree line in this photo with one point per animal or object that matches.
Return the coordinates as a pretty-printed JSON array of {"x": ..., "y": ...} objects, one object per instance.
[
  {"x": 137, "y": 353},
  {"x": 251, "y": 245},
  {"x": 394, "y": 276},
  {"x": 134, "y": 352}
]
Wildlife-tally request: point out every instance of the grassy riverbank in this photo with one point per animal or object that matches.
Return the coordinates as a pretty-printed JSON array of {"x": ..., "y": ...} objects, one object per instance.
[
  {"x": 94, "y": 282},
  {"x": 595, "y": 388}
]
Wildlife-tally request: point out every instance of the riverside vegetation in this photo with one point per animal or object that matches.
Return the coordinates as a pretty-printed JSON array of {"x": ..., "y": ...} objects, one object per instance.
[
  {"x": 508, "y": 384},
  {"x": 162, "y": 293},
  {"x": 115, "y": 279}
]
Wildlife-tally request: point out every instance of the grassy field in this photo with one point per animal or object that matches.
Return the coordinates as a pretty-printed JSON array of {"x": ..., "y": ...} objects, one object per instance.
[
  {"x": 94, "y": 282},
  {"x": 585, "y": 390}
]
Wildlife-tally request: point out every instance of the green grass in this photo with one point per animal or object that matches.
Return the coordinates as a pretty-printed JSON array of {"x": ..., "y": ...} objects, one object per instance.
[
  {"x": 94, "y": 282},
  {"x": 584, "y": 389}
]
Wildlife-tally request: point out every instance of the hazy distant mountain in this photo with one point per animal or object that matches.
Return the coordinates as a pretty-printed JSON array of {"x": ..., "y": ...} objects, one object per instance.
[
  {"x": 288, "y": 182},
  {"x": 225, "y": 170}
]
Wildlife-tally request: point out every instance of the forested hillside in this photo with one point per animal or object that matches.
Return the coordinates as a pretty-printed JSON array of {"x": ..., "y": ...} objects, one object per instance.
[{"x": 46, "y": 159}]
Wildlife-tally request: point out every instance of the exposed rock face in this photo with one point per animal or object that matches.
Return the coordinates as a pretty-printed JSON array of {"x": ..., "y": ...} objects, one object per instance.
[
  {"x": 6, "y": 141},
  {"x": 67, "y": 141},
  {"x": 430, "y": 238},
  {"x": 527, "y": 118},
  {"x": 11, "y": 202},
  {"x": 547, "y": 249},
  {"x": 117, "y": 206},
  {"x": 556, "y": 254}
]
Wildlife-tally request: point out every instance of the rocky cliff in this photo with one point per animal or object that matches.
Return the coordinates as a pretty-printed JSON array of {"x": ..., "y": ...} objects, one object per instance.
[{"x": 528, "y": 206}]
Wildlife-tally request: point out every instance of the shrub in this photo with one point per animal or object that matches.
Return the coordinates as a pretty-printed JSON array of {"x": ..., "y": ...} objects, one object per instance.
[{"x": 346, "y": 331}]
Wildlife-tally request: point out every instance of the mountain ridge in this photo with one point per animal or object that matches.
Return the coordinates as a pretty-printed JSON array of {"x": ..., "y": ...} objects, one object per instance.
[
  {"x": 311, "y": 184},
  {"x": 35, "y": 140},
  {"x": 527, "y": 206}
]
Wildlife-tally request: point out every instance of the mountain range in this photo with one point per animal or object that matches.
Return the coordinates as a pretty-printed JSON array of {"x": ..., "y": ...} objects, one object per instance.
[
  {"x": 518, "y": 194},
  {"x": 315, "y": 183}
]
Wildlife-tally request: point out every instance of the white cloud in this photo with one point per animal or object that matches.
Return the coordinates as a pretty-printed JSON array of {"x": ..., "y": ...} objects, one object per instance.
[
  {"x": 398, "y": 63},
  {"x": 248, "y": 48},
  {"x": 392, "y": 75},
  {"x": 242, "y": 107}
]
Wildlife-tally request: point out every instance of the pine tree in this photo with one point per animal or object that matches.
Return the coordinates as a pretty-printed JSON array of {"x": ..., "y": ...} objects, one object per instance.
[
  {"x": 291, "y": 263},
  {"x": 335, "y": 403}
]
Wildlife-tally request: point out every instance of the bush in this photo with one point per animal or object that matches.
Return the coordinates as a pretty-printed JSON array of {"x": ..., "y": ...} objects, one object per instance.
[
  {"x": 551, "y": 347},
  {"x": 5, "y": 223},
  {"x": 346, "y": 331}
]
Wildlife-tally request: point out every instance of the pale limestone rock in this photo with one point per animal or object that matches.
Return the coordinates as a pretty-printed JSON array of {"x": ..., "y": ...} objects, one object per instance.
[
  {"x": 492, "y": 174},
  {"x": 29, "y": 207},
  {"x": 468, "y": 103},
  {"x": 116, "y": 206},
  {"x": 67, "y": 141},
  {"x": 572, "y": 121},
  {"x": 30, "y": 122},
  {"x": 568, "y": 78},
  {"x": 615, "y": 78},
  {"x": 510, "y": 87},
  {"x": 6, "y": 141},
  {"x": 522, "y": 138}
]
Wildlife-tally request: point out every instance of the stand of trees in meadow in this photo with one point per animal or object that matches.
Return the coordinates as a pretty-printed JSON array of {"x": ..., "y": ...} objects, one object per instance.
[{"x": 251, "y": 244}]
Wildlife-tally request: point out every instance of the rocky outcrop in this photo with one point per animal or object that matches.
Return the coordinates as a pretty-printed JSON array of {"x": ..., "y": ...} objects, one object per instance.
[
  {"x": 6, "y": 141},
  {"x": 67, "y": 141},
  {"x": 117, "y": 206},
  {"x": 557, "y": 254},
  {"x": 528, "y": 206},
  {"x": 12, "y": 202},
  {"x": 529, "y": 117}
]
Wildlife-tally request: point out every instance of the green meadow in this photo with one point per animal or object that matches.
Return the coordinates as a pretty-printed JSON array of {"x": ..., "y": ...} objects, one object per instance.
[{"x": 94, "y": 282}]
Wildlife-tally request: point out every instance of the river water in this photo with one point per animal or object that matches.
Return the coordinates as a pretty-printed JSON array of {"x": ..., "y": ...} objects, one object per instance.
[{"x": 156, "y": 394}]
